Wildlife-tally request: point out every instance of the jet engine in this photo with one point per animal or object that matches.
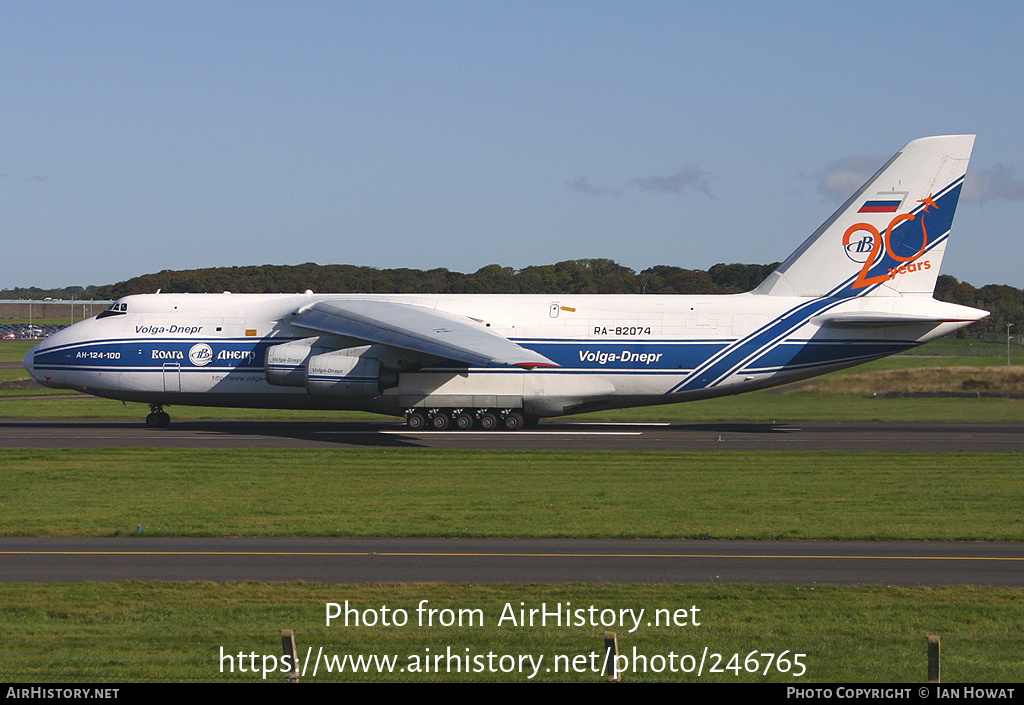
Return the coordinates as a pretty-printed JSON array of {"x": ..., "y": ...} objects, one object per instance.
[
  {"x": 323, "y": 371},
  {"x": 286, "y": 363},
  {"x": 339, "y": 373}
]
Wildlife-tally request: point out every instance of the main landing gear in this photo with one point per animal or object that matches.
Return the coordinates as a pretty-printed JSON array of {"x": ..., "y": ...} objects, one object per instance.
[
  {"x": 467, "y": 419},
  {"x": 158, "y": 418}
]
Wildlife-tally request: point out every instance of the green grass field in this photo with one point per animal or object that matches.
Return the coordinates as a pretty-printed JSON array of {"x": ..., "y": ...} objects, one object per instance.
[
  {"x": 131, "y": 632},
  {"x": 597, "y": 494},
  {"x": 14, "y": 350}
]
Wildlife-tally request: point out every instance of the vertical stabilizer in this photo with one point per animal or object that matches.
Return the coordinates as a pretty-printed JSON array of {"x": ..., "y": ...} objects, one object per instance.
[{"x": 888, "y": 239}]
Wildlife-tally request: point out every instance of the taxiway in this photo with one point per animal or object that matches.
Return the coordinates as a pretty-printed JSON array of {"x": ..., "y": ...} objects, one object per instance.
[
  {"x": 517, "y": 561},
  {"x": 885, "y": 437}
]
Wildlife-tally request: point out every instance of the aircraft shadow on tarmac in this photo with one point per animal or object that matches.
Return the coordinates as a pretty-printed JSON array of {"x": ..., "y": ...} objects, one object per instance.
[
  {"x": 560, "y": 435},
  {"x": 374, "y": 434}
]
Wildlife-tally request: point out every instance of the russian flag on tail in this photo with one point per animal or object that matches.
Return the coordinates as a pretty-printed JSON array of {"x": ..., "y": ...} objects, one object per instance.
[{"x": 881, "y": 206}]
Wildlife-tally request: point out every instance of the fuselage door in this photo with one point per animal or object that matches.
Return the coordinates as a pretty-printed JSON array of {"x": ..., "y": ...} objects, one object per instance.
[{"x": 172, "y": 376}]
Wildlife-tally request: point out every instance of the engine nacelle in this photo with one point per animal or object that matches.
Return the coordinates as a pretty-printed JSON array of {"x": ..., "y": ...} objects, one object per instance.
[
  {"x": 286, "y": 363},
  {"x": 327, "y": 371},
  {"x": 340, "y": 373}
]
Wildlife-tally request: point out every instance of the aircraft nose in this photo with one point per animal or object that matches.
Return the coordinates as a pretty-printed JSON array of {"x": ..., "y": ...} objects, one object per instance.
[{"x": 28, "y": 361}]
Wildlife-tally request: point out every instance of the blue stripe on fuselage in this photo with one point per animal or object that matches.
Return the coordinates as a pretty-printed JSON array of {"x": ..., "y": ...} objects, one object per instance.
[
  {"x": 147, "y": 353},
  {"x": 685, "y": 354},
  {"x": 815, "y": 354},
  {"x": 736, "y": 355}
]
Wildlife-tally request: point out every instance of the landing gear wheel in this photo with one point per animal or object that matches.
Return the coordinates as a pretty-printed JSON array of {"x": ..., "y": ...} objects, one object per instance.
[
  {"x": 440, "y": 421},
  {"x": 513, "y": 421},
  {"x": 416, "y": 421},
  {"x": 462, "y": 421},
  {"x": 487, "y": 421},
  {"x": 158, "y": 419}
]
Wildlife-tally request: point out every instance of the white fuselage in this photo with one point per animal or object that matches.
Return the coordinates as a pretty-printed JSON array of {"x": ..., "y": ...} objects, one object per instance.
[{"x": 611, "y": 350}]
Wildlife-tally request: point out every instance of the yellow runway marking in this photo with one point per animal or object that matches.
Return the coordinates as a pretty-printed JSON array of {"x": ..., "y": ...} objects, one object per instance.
[{"x": 502, "y": 555}]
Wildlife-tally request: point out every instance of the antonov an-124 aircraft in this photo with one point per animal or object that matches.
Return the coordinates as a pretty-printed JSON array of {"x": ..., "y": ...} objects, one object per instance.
[{"x": 859, "y": 288}]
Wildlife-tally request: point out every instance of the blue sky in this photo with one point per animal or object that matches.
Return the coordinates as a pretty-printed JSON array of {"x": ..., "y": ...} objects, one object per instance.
[{"x": 141, "y": 136}]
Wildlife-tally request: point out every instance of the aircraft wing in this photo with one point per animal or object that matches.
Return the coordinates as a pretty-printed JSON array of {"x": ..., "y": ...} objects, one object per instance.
[{"x": 420, "y": 329}]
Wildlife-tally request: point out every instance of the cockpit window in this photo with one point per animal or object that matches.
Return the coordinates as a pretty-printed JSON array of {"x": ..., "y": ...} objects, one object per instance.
[{"x": 115, "y": 309}]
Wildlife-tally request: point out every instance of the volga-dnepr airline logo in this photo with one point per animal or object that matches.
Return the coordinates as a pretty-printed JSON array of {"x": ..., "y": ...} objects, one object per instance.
[
  {"x": 200, "y": 354},
  {"x": 867, "y": 249},
  {"x": 858, "y": 250}
]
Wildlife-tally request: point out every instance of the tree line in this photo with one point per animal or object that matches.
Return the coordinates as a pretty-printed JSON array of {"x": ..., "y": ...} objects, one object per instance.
[
  {"x": 581, "y": 276},
  {"x": 1005, "y": 304}
]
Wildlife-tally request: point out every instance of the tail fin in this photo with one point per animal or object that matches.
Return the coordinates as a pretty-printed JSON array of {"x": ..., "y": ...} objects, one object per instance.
[{"x": 888, "y": 239}]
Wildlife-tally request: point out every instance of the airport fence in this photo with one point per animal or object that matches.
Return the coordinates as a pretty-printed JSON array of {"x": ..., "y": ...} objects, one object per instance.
[{"x": 149, "y": 654}]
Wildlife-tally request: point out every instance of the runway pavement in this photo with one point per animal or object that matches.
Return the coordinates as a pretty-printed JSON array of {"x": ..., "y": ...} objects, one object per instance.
[
  {"x": 889, "y": 437},
  {"x": 498, "y": 561}
]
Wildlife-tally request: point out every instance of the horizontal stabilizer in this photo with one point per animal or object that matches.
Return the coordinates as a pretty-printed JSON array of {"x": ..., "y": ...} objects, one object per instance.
[
  {"x": 419, "y": 329},
  {"x": 882, "y": 320}
]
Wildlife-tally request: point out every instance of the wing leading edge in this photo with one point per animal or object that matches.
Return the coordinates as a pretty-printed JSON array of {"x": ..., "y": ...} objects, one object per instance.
[{"x": 420, "y": 329}]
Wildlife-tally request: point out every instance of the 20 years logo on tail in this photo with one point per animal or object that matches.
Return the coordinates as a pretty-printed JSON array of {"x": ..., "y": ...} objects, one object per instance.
[{"x": 866, "y": 249}]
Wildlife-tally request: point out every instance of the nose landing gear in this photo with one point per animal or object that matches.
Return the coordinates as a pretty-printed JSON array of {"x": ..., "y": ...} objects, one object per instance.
[{"x": 158, "y": 418}]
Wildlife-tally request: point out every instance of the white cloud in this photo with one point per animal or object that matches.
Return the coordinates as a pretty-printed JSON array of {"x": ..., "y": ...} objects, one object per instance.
[
  {"x": 581, "y": 184},
  {"x": 998, "y": 183},
  {"x": 689, "y": 179},
  {"x": 843, "y": 177}
]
